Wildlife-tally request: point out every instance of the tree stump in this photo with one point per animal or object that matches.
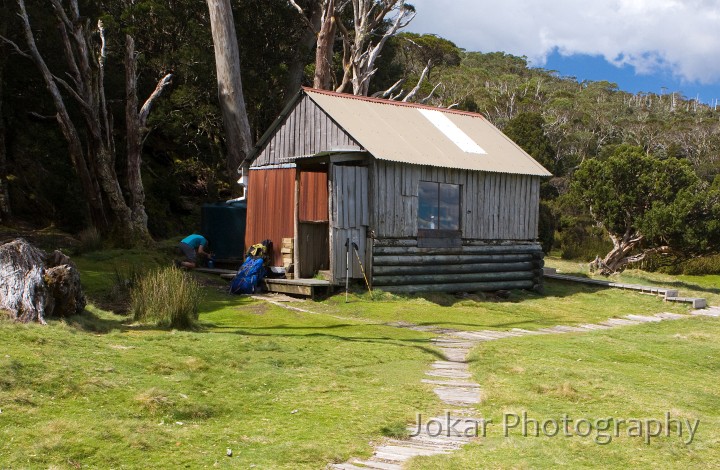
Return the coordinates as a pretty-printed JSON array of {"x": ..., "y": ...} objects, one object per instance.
[{"x": 35, "y": 285}]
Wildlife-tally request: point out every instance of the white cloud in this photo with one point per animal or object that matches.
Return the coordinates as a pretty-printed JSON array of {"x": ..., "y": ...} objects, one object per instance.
[{"x": 679, "y": 36}]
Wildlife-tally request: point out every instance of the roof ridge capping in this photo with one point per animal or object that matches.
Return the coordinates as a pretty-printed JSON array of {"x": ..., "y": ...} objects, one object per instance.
[{"x": 392, "y": 102}]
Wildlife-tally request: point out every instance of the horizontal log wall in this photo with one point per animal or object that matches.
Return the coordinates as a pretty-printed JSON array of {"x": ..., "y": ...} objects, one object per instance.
[
  {"x": 494, "y": 206},
  {"x": 307, "y": 130},
  {"x": 400, "y": 266}
]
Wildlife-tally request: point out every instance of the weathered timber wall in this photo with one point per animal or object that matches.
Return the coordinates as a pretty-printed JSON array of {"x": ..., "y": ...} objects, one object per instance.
[
  {"x": 400, "y": 266},
  {"x": 349, "y": 219},
  {"x": 307, "y": 130},
  {"x": 494, "y": 206}
]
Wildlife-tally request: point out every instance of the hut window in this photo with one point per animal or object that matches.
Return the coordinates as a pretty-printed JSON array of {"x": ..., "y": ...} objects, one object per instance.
[{"x": 439, "y": 206}]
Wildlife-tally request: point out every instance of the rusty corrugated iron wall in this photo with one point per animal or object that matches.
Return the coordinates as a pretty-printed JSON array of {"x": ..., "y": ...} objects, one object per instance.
[
  {"x": 271, "y": 205},
  {"x": 313, "y": 197}
]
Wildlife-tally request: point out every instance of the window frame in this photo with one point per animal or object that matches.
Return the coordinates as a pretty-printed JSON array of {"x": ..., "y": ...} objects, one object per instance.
[{"x": 441, "y": 233}]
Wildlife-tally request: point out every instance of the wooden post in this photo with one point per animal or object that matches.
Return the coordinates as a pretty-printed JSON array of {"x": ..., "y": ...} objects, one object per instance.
[
  {"x": 296, "y": 248},
  {"x": 331, "y": 225}
]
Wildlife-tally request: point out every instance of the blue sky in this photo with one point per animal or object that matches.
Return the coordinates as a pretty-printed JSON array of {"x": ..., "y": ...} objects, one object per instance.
[
  {"x": 587, "y": 67},
  {"x": 642, "y": 45}
]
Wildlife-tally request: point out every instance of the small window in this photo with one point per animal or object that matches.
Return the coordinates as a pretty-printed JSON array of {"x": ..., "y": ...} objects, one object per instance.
[{"x": 439, "y": 206}]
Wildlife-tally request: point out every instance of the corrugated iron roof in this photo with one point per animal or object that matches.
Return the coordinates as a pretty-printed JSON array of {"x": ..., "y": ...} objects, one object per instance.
[{"x": 423, "y": 135}]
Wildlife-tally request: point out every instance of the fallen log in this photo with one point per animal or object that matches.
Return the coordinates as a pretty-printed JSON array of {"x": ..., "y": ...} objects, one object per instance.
[{"x": 35, "y": 285}]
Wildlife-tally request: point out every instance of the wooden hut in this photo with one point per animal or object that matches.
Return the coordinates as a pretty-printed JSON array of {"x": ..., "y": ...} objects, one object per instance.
[{"x": 434, "y": 199}]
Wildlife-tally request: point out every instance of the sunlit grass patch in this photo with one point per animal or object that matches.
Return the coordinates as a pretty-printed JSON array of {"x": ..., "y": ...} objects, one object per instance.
[{"x": 645, "y": 372}]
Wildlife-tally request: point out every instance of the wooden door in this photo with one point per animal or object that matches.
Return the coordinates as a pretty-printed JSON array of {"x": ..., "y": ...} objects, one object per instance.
[{"x": 349, "y": 220}]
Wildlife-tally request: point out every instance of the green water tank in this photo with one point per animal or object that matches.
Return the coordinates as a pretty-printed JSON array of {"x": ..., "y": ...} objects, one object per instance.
[{"x": 223, "y": 224}]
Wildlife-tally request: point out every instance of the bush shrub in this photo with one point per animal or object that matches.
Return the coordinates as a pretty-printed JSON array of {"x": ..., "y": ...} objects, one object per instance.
[
  {"x": 584, "y": 243},
  {"x": 702, "y": 266},
  {"x": 167, "y": 297}
]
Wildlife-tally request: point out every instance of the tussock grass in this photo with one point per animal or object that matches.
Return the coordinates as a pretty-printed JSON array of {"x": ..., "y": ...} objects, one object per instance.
[
  {"x": 90, "y": 240},
  {"x": 167, "y": 297}
]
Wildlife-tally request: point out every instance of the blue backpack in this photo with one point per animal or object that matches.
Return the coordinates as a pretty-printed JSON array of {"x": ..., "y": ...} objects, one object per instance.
[{"x": 252, "y": 271}]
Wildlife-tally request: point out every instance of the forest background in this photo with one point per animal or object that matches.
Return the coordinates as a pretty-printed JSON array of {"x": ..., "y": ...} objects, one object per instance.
[{"x": 183, "y": 160}]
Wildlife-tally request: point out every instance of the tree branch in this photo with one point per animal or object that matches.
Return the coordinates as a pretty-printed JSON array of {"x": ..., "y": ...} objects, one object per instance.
[
  {"x": 16, "y": 47},
  {"x": 41, "y": 117},
  {"x": 73, "y": 93},
  {"x": 414, "y": 91},
  {"x": 147, "y": 106},
  {"x": 432, "y": 92},
  {"x": 307, "y": 22},
  {"x": 389, "y": 91}
]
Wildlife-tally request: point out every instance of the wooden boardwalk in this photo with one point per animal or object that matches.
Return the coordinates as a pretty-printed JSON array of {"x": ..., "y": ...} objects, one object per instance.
[
  {"x": 671, "y": 295},
  {"x": 452, "y": 383}
]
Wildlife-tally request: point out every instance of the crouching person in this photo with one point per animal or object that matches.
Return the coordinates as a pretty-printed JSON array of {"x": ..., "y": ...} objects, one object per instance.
[{"x": 191, "y": 246}]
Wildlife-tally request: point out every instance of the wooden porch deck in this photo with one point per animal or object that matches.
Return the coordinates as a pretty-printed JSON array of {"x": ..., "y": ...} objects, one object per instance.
[{"x": 306, "y": 287}]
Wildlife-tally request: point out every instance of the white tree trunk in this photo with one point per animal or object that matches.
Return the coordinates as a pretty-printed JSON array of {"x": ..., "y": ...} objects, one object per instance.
[
  {"x": 359, "y": 51},
  {"x": 230, "y": 93},
  {"x": 136, "y": 129}
]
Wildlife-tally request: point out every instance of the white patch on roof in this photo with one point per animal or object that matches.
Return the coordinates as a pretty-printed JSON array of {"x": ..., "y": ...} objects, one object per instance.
[{"x": 452, "y": 132}]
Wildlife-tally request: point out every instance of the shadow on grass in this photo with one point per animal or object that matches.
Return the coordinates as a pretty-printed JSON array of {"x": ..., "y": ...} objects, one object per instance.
[
  {"x": 420, "y": 344},
  {"x": 553, "y": 288},
  {"x": 688, "y": 286},
  {"x": 90, "y": 322}
]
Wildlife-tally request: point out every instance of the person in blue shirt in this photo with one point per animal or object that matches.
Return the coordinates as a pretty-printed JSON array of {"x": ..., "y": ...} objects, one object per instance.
[{"x": 190, "y": 247}]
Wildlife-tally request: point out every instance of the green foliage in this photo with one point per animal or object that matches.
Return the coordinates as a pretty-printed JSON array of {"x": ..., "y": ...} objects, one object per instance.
[
  {"x": 421, "y": 49},
  {"x": 527, "y": 130},
  {"x": 167, "y": 297},
  {"x": 546, "y": 227},
  {"x": 558, "y": 120},
  {"x": 632, "y": 194},
  {"x": 701, "y": 266},
  {"x": 583, "y": 243}
]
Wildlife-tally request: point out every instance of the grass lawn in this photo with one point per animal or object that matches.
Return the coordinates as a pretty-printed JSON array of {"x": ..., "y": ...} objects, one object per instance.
[
  {"x": 707, "y": 286},
  {"x": 563, "y": 303},
  {"x": 637, "y": 372},
  {"x": 286, "y": 389},
  {"x": 281, "y": 389}
]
